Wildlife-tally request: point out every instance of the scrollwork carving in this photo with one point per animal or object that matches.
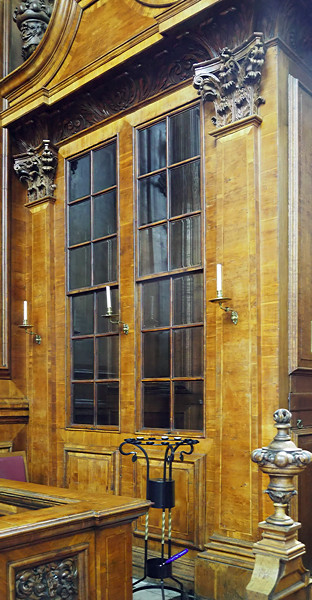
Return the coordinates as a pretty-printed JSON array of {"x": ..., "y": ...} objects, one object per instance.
[
  {"x": 36, "y": 168},
  {"x": 235, "y": 88},
  {"x": 57, "y": 580}
]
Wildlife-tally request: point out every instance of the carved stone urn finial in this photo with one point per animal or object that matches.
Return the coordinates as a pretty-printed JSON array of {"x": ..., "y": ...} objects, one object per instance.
[
  {"x": 32, "y": 18},
  {"x": 281, "y": 460}
]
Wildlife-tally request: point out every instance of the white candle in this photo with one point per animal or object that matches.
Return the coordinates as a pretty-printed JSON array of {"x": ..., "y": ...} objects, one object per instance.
[
  {"x": 219, "y": 280},
  {"x": 108, "y": 297},
  {"x": 25, "y": 311}
]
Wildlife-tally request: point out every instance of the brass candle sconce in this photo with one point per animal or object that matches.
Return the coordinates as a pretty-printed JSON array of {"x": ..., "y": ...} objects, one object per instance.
[
  {"x": 113, "y": 318},
  {"x": 25, "y": 325},
  {"x": 221, "y": 299}
]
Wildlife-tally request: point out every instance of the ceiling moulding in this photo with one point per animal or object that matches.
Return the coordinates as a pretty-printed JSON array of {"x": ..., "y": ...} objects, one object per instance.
[{"x": 164, "y": 66}]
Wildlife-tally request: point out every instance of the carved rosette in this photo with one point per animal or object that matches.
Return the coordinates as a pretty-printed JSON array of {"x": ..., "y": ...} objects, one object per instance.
[
  {"x": 281, "y": 460},
  {"x": 36, "y": 168},
  {"x": 32, "y": 18},
  {"x": 57, "y": 580},
  {"x": 235, "y": 87}
]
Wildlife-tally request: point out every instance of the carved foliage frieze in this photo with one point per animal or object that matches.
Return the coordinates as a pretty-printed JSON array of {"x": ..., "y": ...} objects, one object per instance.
[
  {"x": 32, "y": 18},
  {"x": 56, "y": 580},
  {"x": 36, "y": 168},
  {"x": 235, "y": 87}
]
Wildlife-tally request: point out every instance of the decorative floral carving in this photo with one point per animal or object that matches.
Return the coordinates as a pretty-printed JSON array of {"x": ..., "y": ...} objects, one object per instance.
[
  {"x": 32, "y": 18},
  {"x": 37, "y": 169},
  {"x": 57, "y": 580},
  {"x": 235, "y": 89}
]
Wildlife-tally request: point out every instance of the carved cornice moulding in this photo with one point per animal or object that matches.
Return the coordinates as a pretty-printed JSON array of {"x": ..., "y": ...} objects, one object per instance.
[{"x": 166, "y": 64}]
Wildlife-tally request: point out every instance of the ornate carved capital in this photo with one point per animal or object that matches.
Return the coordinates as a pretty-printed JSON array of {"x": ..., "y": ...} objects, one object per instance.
[
  {"x": 235, "y": 87},
  {"x": 37, "y": 168},
  {"x": 281, "y": 460},
  {"x": 32, "y": 18}
]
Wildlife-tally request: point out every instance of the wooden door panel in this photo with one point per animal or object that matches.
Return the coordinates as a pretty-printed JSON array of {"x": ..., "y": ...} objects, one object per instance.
[
  {"x": 93, "y": 469},
  {"x": 188, "y": 512}
]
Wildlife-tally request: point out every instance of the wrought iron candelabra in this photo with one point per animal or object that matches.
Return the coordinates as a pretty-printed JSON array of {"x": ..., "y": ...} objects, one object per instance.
[{"x": 161, "y": 492}]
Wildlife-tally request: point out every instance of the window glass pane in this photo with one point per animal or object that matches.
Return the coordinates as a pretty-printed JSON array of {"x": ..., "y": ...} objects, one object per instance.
[
  {"x": 185, "y": 242},
  {"x": 79, "y": 222},
  {"x": 185, "y": 189},
  {"x": 156, "y": 304},
  {"x": 108, "y": 355},
  {"x": 104, "y": 217},
  {"x": 83, "y": 411},
  {"x": 108, "y": 403},
  {"x": 105, "y": 261},
  {"x": 79, "y": 178},
  {"x": 152, "y": 148},
  {"x": 80, "y": 267},
  {"x": 188, "y": 352},
  {"x": 104, "y": 168},
  {"x": 153, "y": 250},
  {"x": 188, "y": 299},
  {"x": 83, "y": 359},
  {"x": 188, "y": 405},
  {"x": 156, "y": 355},
  {"x": 82, "y": 314},
  {"x": 103, "y": 323},
  {"x": 152, "y": 199},
  {"x": 184, "y": 135},
  {"x": 156, "y": 405}
]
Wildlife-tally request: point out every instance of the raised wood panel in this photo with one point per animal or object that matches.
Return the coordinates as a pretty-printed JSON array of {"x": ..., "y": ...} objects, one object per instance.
[
  {"x": 188, "y": 514},
  {"x": 92, "y": 469},
  {"x": 300, "y": 223}
]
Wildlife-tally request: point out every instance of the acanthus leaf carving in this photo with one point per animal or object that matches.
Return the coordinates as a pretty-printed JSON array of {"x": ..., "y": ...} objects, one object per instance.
[
  {"x": 36, "y": 168},
  {"x": 57, "y": 580},
  {"x": 235, "y": 88}
]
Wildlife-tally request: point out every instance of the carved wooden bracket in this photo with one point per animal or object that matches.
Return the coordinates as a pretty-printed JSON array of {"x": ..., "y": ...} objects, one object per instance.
[
  {"x": 235, "y": 87},
  {"x": 32, "y": 18},
  {"x": 37, "y": 169}
]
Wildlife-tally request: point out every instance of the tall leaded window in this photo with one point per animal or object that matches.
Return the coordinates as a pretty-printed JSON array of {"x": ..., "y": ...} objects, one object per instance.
[
  {"x": 92, "y": 264},
  {"x": 170, "y": 272}
]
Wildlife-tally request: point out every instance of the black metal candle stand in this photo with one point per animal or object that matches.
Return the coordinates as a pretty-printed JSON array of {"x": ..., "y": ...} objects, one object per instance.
[{"x": 161, "y": 492}]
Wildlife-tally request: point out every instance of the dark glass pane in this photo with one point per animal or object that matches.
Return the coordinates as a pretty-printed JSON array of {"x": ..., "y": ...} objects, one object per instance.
[
  {"x": 83, "y": 359},
  {"x": 156, "y": 354},
  {"x": 103, "y": 323},
  {"x": 79, "y": 222},
  {"x": 108, "y": 404},
  {"x": 185, "y": 189},
  {"x": 82, "y": 314},
  {"x": 188, "y": 299},
  {"x": 156, "y": 405},
  {"x": 80, "y": 267},
  {"x": 156, "y": 304},
  {"x": 185, "y": 242},
  {"x": 105, "y": 261},
  {"x": 184, "y": 135},
  {"x": 188, "y": 352},
  {"x": 153, "y": 250},
  {"x": 79, "y": 177},
  {"x": 104, "y": 168},
  {"x": 83, "y": 407},
  {"x": 152, "y": 148},
  {"x": 108, "y": 357},
  {"x": 153, "y": 199},
  {"x": 105, "y": 216},
  {"x": 188, "y": 405}
]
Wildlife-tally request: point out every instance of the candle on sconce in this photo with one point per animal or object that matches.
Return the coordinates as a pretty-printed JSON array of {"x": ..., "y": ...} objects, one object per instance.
[
  {"x": 219, "y": 280},
  {"x": 108, "y": 298},
  {"x": 25, "y": 312}
]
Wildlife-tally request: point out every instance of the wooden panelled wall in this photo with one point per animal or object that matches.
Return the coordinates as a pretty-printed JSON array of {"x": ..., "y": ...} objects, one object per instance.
[{"x": 248, "y": 209}]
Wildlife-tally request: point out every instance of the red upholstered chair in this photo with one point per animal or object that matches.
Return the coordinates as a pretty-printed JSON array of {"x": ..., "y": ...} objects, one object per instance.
[{"x": 13, "y": 466}]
